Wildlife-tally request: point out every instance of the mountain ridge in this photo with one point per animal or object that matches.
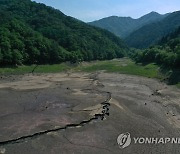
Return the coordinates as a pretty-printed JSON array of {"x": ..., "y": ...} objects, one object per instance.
[
  {"x": 123, "y": 26},
  {"x": 151, "y": 33}
]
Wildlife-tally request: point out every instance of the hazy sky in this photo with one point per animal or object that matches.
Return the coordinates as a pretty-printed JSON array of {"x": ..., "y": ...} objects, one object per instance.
[{"x": 90, "y": 10}]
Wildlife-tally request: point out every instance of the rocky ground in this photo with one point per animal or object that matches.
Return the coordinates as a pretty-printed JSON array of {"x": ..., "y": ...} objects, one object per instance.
[{"x": 85, "y": 113}]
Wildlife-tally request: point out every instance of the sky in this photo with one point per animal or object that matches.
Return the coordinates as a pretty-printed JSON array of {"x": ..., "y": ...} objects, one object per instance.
[{"x": 90, "y": 10}]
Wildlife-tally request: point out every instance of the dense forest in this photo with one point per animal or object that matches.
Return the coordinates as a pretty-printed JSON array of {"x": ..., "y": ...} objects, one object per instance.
[
  {"x": 34, "y": 33},
  {"x": 166, "y": 53},
  {"x": 151, "y": 33}
]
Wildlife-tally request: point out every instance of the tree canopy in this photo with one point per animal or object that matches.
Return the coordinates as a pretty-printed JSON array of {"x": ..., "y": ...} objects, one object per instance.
[
  {"x": 34, "y": 33},
  {"x": 166, "y": 53}
]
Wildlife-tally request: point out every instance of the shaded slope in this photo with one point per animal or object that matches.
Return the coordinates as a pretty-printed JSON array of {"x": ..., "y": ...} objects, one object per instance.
[
  {"x": 152, "y": 33},
  {"x": 166, "y": 54},
  {"x": 123, "y": 26}
]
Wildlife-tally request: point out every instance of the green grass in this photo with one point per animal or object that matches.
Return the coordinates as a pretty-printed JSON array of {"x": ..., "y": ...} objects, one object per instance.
[
  {"x": 40, "y": 69},
  {"x": 124, "y": 66},
  {"x": 178, "y": 85}
]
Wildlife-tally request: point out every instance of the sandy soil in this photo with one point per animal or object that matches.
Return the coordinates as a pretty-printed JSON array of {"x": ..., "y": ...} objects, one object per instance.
[{"x": 85, "y": 113}]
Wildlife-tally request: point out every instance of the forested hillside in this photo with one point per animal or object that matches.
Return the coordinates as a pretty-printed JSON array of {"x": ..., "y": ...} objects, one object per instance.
[
  {"x": 34, "y": 33},
  {"x": 167, "y": 53},
  {"x": 124, "y": 26},
  {"x": 150, "y": 34}
]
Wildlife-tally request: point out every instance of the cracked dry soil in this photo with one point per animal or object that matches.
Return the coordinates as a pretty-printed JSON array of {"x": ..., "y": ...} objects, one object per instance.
[{"x": 85, "y": 113}]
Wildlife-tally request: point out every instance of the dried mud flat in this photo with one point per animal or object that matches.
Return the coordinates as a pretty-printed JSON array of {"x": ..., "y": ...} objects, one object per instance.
[{"x": 85, "y": 112}]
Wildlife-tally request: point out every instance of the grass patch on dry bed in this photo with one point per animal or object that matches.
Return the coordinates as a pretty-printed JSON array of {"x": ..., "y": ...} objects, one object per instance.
[
  {"x": 178, "y": 85},
  {"x": 124, "y": 66},
  {"x": 40, "y": 69}
]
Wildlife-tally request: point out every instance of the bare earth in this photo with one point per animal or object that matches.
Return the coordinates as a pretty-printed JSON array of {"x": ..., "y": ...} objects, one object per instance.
[{"x": 84, "y": 113}]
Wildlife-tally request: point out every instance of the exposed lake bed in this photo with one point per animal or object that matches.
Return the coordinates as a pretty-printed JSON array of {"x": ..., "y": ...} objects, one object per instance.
[{"x": 85, "y": 112}]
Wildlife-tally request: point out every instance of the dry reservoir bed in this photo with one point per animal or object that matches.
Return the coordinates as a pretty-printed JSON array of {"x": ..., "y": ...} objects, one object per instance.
[{"x": 85, "y": 113}]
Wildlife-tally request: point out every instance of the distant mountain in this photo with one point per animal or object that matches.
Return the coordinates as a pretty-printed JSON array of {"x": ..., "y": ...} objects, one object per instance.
[
  {"x": 35, "y": 33},
  {"x": 153, "y": 32},
  {"x": 123, "y": 26}
]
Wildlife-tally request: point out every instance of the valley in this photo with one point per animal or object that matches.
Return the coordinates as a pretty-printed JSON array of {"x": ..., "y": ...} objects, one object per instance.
[{"x": 69, "y": 86}]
